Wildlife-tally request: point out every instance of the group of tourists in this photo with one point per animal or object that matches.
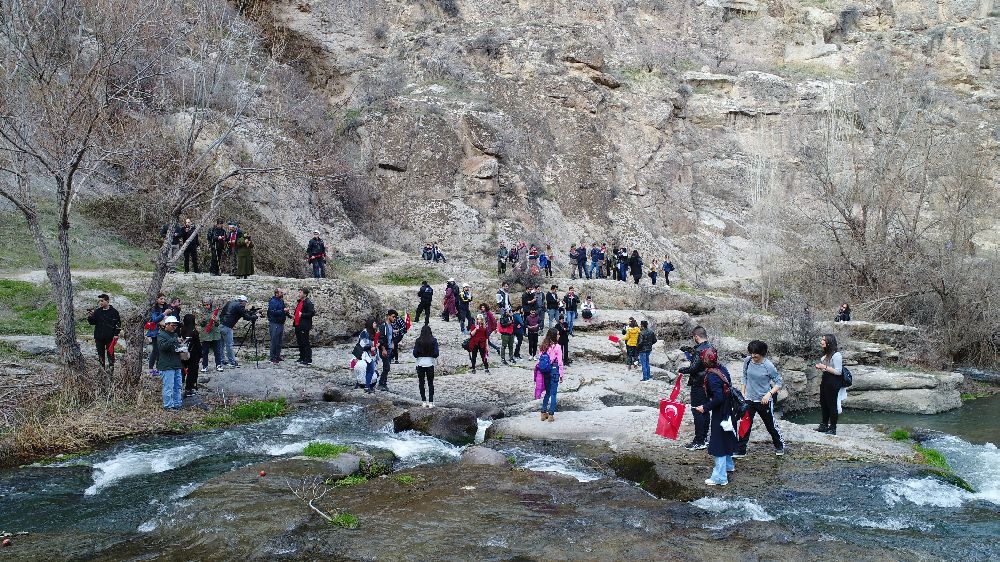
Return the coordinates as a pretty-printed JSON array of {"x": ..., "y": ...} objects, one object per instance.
[
  {"x": 597, "y": 262},
  {"x": 432, "y": 252}
]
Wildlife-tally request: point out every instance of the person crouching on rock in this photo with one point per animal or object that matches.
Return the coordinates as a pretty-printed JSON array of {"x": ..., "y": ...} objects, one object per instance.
[
  {"x": 477, "y": 343},
  {"x": 550, "y": 367},
  {"x": 723, "y": 439},
  {"x": 426, "y": 351}
]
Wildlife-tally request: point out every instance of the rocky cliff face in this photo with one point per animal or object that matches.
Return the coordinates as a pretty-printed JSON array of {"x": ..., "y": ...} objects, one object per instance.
[{"x": 661, "y": 124}]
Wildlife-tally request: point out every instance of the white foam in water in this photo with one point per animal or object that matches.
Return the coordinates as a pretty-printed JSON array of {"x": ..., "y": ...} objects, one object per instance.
[
  {"x": 279, "y": 449},
  {"x": 979, "y": 465},
  {"x": 546, "y": 463},
  {"x": 410, "y": 445},
  {"x": 735, "y": 510},
  {"x": 134, "y": 463},
  {"x": 481, "y": 427},
  {"x": 927, "y": 491}
]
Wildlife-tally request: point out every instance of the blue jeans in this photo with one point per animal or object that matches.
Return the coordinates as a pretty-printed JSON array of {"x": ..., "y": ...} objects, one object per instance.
[
  {"x": 622, "y": 272},
  {"x": 227, "y": 341},
  {"x": 595, "y": 270},
  {"x": 550, "y": 392},
  {"x": 644, "y": 362},
  {"x": 722, "y": 465},
  {"x": 553, "y": 316},
  {"x": 570, "y": 317},
  {"x": 369, "y": 374},
  {"x": 653, "y": 277},
  {"x": 171, "y": 388},
  {"x": 319, "y": 269},
  {"x": 216, "y": 347},
  {"x": 581, "y": 270},
  {"x": 276, "y": 331}
]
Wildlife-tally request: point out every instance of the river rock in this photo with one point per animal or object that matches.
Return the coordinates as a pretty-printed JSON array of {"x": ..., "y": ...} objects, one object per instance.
[
  {"x": 877, "y": 378},
  {"x": 907, "y": 401},
  {"x": 484, "y": 456},
  {"x": 344, "y": 464},
  {"x": 450, "y": 424}
]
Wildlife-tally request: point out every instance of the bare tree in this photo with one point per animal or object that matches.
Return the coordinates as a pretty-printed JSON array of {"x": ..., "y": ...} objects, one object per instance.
[{"x": 68, "y": 72}]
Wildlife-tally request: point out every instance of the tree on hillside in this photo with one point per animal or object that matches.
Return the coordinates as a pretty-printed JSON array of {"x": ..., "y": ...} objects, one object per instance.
[
  {"x": 904, "y": 178},
  {"x": 69, "y": 73}
]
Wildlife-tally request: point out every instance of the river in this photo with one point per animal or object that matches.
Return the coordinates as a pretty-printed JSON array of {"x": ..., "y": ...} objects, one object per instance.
[{"x": 123, "y": 500}]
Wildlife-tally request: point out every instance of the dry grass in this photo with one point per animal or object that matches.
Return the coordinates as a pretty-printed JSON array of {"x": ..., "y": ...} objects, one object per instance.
[{"x": 43, "y": 422}]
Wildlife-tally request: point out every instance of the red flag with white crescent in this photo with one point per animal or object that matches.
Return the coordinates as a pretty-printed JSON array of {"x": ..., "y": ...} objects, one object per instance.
[
  {"x": 671, "y": 413},
  {"x": 111, "y": 347}
]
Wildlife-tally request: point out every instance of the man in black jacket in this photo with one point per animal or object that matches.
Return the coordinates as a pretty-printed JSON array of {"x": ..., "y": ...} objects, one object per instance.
[
  {"x": 426, "y": 294},
  {"x": 386, "y": 343},
  {"x": 316, "y": 255},
  {"x": 302, "y": 320},
  {"x": 696, "y": 377},
  {"x": 191, "y": 252},
  {"x": 216, "y": 238},
  {"x": 552, "y": 305},
  {"x": 230, "y": 315},
  {"x": 107, "y": 324}
]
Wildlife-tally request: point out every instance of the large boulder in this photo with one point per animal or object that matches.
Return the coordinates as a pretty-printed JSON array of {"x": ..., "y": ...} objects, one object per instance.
[
  {"x": 450, "y": 424},
  {"x": 483, "y": 456},
  {"x": 899, "y": 336},
  {"x": 877, "y": 378},
  {"x": 907, "y": 401}
]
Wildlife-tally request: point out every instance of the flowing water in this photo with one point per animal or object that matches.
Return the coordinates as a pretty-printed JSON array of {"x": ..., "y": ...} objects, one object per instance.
[{"x": 126, "y": 491}]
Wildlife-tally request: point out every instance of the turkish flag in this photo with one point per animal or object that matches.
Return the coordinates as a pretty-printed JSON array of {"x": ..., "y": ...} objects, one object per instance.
[
  {"x": 671, "y": 413},
  {"x": 744, "y": 424},
  {"x": 613, "y": 339},
  {"x": 408, "y": 323},
  {"x": 111, "y": 347}
]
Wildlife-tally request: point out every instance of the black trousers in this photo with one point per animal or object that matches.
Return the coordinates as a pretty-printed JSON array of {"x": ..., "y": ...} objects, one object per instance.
[
  {"x": 501, "y": 267},
  {"x": 480, "y": 351},
  {"x": 106, "y": 359},
  {"x": 426, "y": 308},
  {"x": 517, "y": 347},
  {"x": 828, "y": 403},
  {"x": 191, "y": 372},
  {"x": 532, "y": 343},
  {"x": 428, "y": 374},
  {"x": 383, "y": 379},
  {"x": 305, "y": 348},
  {"x": 216, "y": 258},
  {"x": 191, "y": 255},
  {"x": 766, "y": 414},
  {"x": 701, "y": 419}
]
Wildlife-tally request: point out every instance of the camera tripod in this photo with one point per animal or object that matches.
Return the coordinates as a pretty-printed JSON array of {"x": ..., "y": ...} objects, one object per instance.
[{"x": 251, "y": 332}]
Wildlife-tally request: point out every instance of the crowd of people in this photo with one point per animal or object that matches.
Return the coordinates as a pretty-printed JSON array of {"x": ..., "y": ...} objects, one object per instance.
[{"x": 597, "y": 262}]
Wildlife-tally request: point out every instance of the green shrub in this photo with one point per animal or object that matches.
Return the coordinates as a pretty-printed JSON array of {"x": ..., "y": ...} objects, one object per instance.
[
  {"x": 932, "y": 457},
  {"x": 248, "y": 412},
  {"x": 405, "y": 479},
  {"x": 345, "y": 520},
  {"x": 967, "y": 396},
  {"x": 349, "y": 481},
  {"x": 900, "y": 435},
  {"x": 324, "y": 450}
]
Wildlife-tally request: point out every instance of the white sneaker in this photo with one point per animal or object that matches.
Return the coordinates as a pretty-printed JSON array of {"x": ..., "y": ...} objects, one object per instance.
[
  {"x": 711, "y": 482},
  {"x": 430, "y": 404},
  {"x": 204, "y": 369},
  {"x": 423, "y": 404}
]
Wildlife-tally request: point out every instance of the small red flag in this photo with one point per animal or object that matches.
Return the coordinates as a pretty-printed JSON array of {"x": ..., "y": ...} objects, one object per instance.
[
  {"x": 671, "y": 414},
  {"x": 111, "y": 347},
  {"x": 408, "y": 323},
  {"x": 744, "y": 424},
  {"x": 613, "y": 338}
]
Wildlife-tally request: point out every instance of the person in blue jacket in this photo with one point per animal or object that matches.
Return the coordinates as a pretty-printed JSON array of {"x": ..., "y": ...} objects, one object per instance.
[
  {"x": 722, "y": 441},
  {"x": 277, "y": 313},
  {"x": 159, "y": 312},
  {"x": 518, "y": 331}
]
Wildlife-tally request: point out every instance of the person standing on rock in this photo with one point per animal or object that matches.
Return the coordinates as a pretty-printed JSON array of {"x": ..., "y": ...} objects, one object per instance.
[
  {"x": 386, "y": 344},
  {"x": 529, "y": 299},
  {"x": 654, "y": 270},
  {"x": 722, "y": 444},
  {"x": 562, "y": 328},
  {"x": 506, "y": 329},
  {"x": 302, "y": 322},
  {"x": 230, "y": 315},
  {"x": 211, "y": 337},
  {"x": 491, "y": 325},
  {"x": 667, "y": 268},
  {"x": 450, "y": 298},
  {"x": 623, "y": 264},
  {"x": 550, "y": 257},
  {"x": 277, "y": 312},
  {"x": 189, "y": 232},
  {"x": 544, "y": 265},
  {"x": 552, "y": 305},
  {"x": 502, "y": 254},
  {"x": 581, "y": 261},
  {"x": 635, "y": 266},
  {"x": 503, "y": 298},
  {"x": 216, "y": 238},
  {"x": 426, "y": 352},
  {"x": 244, "y": 256},
  {"x": 233, "y": 234},
  {"x": 366, "y": 354},
  {"x": 464, "y": 304},
  {"x": 478, "y": 339},
  {"x": 631, "y": 333},
  {"x": 107, "y": 325},
  {"x": 316, "y": 255},
  {"x": 595, "y": 262},
  {"x": 399, "y": 329},
  {"x": 156, "y": 315},
  {"x": 426, "y": 296},
  {"x": 696, "y": 379},
  {"x": 571, "y": 302},
  {"x": 831, "y": 367},
  {"x": 169, "y": 363},
  {"x": 533, "y": 255},
  {"x": 512, "y": 256},
  {"x": 189, "y": 367},
  {"x": 550, "y": 366},
  {"x": 647, "y": 339},
  {"x": 518, "y": 331},
  {"x": 540, "y": 306},
  {"x": 761, "y": 383},
  {"x": 573, "y": 252}
]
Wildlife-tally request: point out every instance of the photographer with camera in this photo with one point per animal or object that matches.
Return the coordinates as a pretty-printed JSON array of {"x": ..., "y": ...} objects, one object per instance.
[{"x": 232, "y": 313}]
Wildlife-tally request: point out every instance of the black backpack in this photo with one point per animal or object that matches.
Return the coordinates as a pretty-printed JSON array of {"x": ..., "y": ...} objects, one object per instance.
[
  {"x": 847, "y": 376},
  {"x": 737, "y": 403},
  {"x": 506, "y": 319}
]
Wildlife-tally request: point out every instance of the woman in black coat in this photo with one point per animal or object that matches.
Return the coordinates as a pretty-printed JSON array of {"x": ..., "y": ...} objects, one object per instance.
[
  {"x": 635, "y": 266},
  {"x": 722, "y": 442}
]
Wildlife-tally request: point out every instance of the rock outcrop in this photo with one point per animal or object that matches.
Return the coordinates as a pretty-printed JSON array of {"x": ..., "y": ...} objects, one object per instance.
[{"x": 450, "y": 424}]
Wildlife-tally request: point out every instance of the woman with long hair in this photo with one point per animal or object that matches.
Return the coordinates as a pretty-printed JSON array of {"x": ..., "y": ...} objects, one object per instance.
[
  {"x": 366, "y": 353},
  {"x": 426, "y": 350},
  {"x": 831, "y": 366},
  {"x": 477, "y": 343},
  {"x": 553, "y": 357},
  {"x": 635, "y": 266},
  {"x": 723, "y": 441}
]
